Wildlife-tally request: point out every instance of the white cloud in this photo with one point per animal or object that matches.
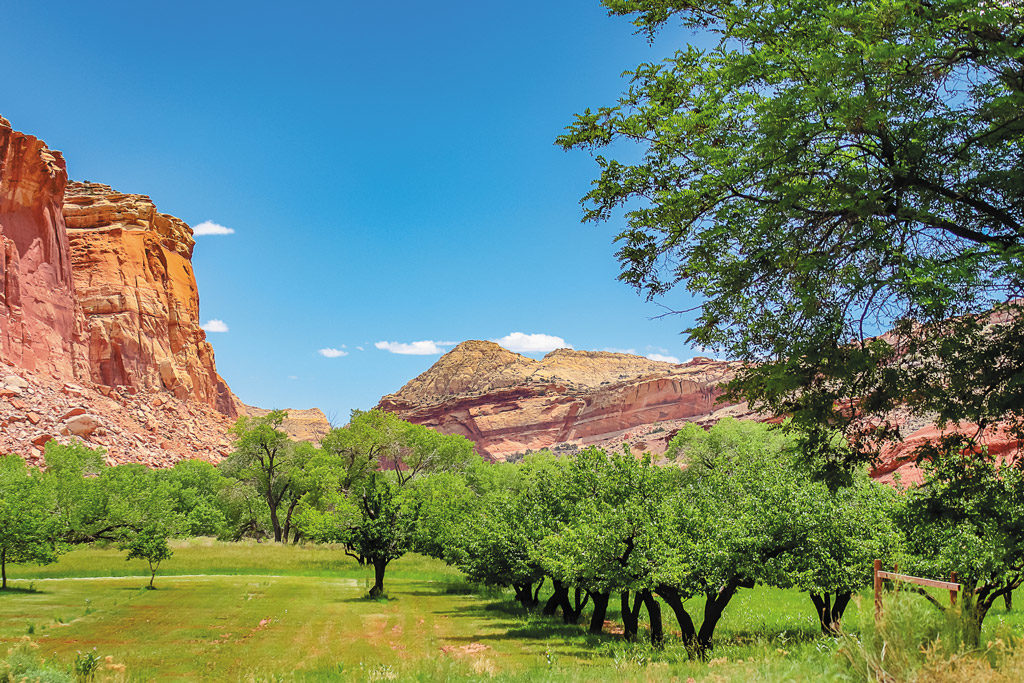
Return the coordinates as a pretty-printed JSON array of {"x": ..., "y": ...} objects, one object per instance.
[
  {"x": 531, "y": 343},
  {"x": 211, "y": 228},
  {"x": 332, "y": 353},
  {"x": 293, "y": 377},
  {"x": 416, "y": 348},
  {"x": 215, "y": 325},
  {"x": 664, "y": 359},
  {"x": 360, "y": 348}
]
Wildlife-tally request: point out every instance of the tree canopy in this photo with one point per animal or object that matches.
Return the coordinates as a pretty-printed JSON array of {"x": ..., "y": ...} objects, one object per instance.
[{"x": 823, "y": 172}]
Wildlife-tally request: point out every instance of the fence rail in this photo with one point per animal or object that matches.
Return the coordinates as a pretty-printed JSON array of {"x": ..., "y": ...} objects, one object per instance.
[{"x": 880, "y": 576}]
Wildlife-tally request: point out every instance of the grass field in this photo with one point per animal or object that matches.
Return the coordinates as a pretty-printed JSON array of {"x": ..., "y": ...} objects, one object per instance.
[{"x": 268, "y": 612}]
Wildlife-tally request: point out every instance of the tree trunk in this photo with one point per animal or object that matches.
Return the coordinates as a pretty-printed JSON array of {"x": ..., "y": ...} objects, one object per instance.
[
  {"x": 571, "y": 610},
  {"x": 288, "y": 521},
  {"x": 152, "y": 576},
  {"x": 274, "y": 520},
  {"x": 379, "y": 565},
  {"x": 670, "y": 595},
  {"x": 524, "y": 594},
  {"x": 559, "y": 598},
  {"x": 600, "y": 611},
  {"x": 654, "y": 615},
  {"x": 1008, "y": 601},
  {"x": 630, "y": 616},
  {"x": 714, "y": 605},
  {"x": 3, "y": 568},
  {"x": 830, "y": 614}
]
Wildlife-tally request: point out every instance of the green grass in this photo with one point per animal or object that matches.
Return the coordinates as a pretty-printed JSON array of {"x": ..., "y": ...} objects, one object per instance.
[{"x": 268, "y": 612}]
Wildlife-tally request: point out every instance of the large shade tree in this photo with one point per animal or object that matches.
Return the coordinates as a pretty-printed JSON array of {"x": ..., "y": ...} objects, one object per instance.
[
  {"x": 268, "y": 461},
  {"x": 822, "y": 172}
]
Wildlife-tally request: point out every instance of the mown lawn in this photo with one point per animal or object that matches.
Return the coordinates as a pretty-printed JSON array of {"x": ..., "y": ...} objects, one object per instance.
[{"x": 268, "y": 612}]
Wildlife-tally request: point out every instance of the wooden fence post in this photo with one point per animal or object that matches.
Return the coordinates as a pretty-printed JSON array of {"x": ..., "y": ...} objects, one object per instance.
[
  {"x": 952, "y": 593},
  {"x": 878, "y": 590}
]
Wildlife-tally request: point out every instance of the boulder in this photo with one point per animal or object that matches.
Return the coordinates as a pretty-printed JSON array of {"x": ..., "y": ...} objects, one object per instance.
[{"x": 82, "y": 425}]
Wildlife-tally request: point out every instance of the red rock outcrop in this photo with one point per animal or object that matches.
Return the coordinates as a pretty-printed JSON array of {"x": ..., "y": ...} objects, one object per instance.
[
  {"x": 507, "y": 403},
  {"x": 900, "y": 459},
  {"x": 99, "y": 333},
  {"x": 40, "y": 322},
  {"x": 133, "y": 277}
]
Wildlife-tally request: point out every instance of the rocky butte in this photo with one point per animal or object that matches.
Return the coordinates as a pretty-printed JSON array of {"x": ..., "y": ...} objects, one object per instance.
[
  {"x": 508, "y": 403},
  {"x": 99, "y": 321}
]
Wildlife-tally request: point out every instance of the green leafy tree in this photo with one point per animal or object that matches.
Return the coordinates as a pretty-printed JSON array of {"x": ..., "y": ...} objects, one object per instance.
[
  {"x": 149, "y": 544},
  {"x": 195, "y": 488},
  {"x": 125, "y": 504},
  {"x": 821, "y": 173},
  {"x": 443, "y": 501},
  {"x": 358, "y": 485},
  {"x": 500, "y": 544},
  {"x": 846, "y": 530},
  {"x": 968, "y": 518},
  {"x": 28, "y": 526},
  {"x": 739, "y": 514},
  {"x": 270, "y": 463},
  {"x": 614, "y": 537}
]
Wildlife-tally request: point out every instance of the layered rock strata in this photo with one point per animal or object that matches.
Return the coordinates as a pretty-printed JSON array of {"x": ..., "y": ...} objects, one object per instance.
[
  {"x": 133, "y": 277},
  {"x": 508, "y": 403},
  {"x": 99, "y": 320}
]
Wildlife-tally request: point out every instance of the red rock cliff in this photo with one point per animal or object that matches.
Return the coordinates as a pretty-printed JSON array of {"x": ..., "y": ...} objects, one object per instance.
[
  {"x": 99, "y": 333},
  {"x": 40, "y": 322},
  {"x": 133, "y": 276},
  {"x": 507, "y": 403}
]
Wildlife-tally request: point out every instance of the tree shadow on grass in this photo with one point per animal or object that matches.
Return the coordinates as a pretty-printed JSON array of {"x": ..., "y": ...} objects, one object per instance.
[
  {"x": 19, "y": 590},
  {"x": 366, "y": 599}
]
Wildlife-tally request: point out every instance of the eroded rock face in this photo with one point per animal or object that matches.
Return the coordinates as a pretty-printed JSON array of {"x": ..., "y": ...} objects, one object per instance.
[
  {"x": 40, "y": 322},
  {"x": 133, "y": 276},
  {"x": 507, "y": 403},
  {"x": 136, "y": 377}
]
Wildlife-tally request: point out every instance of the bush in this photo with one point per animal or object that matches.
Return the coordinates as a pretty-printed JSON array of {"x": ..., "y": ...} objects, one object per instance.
[{"x": 24, "y": 664}]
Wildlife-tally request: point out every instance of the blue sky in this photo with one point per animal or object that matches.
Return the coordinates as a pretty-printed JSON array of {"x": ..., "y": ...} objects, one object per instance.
[{"x": 388, "y": 170}]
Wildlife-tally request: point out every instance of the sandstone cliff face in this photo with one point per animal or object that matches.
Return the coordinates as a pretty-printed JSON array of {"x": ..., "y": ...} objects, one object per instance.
[
  {"x": 507, "y": 403},
  {"x": 99, "y": 333},
  {"x": 40, "y": 322},
  {"x": 133, "y": 276}
]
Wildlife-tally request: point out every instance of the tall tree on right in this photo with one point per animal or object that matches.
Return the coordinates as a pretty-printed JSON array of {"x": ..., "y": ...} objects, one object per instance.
[{"x": 822, "y": 173}]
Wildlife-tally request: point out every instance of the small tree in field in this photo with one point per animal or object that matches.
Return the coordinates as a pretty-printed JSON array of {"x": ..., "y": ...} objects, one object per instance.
[
  {"x": 28, "y": 527},
  {"x": 499, "y": 543},
  {"x": 613, "y": 538},
  {"x": 149, "y": 544},
  {"x": 359, "y": 485},
  {"x": 846, "y": 530}
]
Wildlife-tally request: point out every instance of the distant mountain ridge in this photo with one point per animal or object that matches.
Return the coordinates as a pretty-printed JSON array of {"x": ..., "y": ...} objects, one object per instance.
[{"x": 508, "y": 403}]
